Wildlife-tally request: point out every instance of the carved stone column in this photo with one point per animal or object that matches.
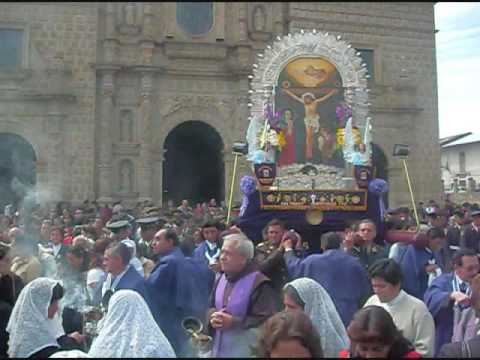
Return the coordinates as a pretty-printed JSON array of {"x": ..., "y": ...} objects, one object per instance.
[
  {"x": 148, "y": 30},
  {"x": 157, "y": 173},
  {"x": 145, "y": 122},
  {"x": 55, "y": 168},
  {"x": 243, "y": 21},
  {"x": 105, "y": 159}
]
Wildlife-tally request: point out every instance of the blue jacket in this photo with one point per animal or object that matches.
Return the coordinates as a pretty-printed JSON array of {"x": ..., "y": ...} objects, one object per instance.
[
  {"x": 177, "y": 288},
  {"x": 132, "y": 280}
]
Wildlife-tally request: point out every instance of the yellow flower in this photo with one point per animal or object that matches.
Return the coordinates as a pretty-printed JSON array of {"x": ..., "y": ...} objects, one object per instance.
[{"x": 281, "y": 140}]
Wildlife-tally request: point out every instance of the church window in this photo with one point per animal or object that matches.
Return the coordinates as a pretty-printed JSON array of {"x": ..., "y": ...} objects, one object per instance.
[
  {"x": 11, "y": 42},
  {"x": 196, "y": 18},
  {"x": 368, "y": 58}
]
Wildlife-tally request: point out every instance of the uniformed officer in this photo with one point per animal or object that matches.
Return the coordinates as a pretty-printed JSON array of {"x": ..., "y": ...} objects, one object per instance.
[
  {"x": 121, "y": 231},
  {"x": 471, "y": 236},
  {"x": 149, "y": 226},
  {"x": 368, "y": 251},
  {"x": 269, "y": 254}
]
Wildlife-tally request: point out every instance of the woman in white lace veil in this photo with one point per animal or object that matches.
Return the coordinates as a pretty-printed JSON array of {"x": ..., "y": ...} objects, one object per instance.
[
  {"x": 129, "y": 330},
  {"x": 308, "y": 295},
  {"x": 30, "y": 328}
]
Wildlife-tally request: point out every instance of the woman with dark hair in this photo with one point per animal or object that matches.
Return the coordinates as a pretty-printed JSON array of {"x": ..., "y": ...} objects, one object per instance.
[
  {"x": 310, "y": 297},
  {"x": 373, "y": 334},
  {"x": 35, "y": 330},
  {"x": 288, "y": 334}
]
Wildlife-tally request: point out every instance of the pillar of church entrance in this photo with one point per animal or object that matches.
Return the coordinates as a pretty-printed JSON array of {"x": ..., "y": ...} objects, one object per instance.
[
  {"x": 56, "y": 153},
  {"x": 104, "y": 165},
  {"x": 145, "y": 110},
  {"x": 157, "y": 174}
]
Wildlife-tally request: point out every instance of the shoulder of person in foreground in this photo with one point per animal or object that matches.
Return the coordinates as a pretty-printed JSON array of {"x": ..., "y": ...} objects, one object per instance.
[{"x": 451, "y": 350}]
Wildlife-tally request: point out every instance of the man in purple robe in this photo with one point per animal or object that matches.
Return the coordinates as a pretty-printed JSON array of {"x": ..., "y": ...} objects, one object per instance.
[
  {"x": 451, "y": 290},
  {"x": 342, "y": 275},
  {"x": 242, "y": 299}
]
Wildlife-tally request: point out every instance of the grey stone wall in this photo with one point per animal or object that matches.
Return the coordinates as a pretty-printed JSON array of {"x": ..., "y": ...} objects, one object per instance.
[{"x": 86, "y": 63}]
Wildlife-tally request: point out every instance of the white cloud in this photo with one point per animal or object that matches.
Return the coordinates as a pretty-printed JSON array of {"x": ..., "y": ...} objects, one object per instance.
[
  {"x": 453, "y": 10},
  {"x": 458, "y": 62}
]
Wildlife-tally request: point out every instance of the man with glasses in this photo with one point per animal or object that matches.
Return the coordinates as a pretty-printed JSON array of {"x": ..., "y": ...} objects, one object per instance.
[{"x": 450, "y": 293}]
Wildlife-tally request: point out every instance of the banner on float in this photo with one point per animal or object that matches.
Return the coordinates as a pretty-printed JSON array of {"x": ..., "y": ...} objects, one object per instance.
[{"x": 326, "y": 200}]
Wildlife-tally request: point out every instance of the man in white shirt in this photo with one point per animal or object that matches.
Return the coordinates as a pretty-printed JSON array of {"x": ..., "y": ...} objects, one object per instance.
[{"x": 410, "y": 314}]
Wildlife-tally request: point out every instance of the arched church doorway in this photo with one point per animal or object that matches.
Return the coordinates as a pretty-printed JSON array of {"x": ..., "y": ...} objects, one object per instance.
[
  {"x": 193, "y": 168},
  {"x": 17, "y": 169}
]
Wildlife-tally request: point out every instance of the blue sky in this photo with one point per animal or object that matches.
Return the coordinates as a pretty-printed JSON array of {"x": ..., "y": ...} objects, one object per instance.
[{"x": 458, "y": 67}]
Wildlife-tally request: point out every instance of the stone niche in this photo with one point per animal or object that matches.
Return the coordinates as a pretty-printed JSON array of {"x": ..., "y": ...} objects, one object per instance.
[{"x": 260, "y": 21}]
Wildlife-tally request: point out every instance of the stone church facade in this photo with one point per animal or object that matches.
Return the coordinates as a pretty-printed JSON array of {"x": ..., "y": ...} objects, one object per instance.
[{"x": 98, "y": 87}]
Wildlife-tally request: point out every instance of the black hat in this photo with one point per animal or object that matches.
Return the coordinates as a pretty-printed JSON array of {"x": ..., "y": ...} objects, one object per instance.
[
  {"x": 475, "y": 213},
  {"x": 116, "y": 226},
  {"x": 393, "y": 211},
  {"x": 148, "y": 220}
]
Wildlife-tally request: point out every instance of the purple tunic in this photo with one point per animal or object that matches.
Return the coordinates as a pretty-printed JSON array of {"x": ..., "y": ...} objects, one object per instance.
[
  {"x": 441, "y": 307},
  {"x": 231, "y": 342}
]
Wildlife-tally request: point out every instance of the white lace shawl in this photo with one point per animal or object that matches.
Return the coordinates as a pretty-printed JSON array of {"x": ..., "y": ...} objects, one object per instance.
[
  {"x": 321, "y": 310},
  {"x": 129, "y": 330},
  {"x": 29, "y": 327},
  {"x": 69, "y": 354}
]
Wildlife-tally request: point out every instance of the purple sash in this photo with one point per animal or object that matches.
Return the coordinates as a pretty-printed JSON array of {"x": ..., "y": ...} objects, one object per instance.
[{"x": 225, "y": 342}]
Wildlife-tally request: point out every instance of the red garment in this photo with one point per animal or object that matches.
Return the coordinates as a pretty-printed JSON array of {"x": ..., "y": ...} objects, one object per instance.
[
  {"x": 67, "y": 240},
  {"x": 288, "y": 155},
  {"x": 345, "y": 354}
]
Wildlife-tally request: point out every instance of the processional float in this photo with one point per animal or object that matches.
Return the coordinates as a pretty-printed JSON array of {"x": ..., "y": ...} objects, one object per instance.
[{"x": 309, "y": 137}]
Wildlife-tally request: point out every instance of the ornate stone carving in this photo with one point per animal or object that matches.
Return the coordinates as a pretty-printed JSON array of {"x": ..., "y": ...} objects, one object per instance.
[
  {"x": 131, "y": 18},
  {"x": 126, "y": 126},
  {"x": 259, "y": 18},
  {"x": 175, "y": 103},
  {"x": 226, "y": 106},
  {"x": 126, "y": 172},
  {"x": 129, "y": 14}
]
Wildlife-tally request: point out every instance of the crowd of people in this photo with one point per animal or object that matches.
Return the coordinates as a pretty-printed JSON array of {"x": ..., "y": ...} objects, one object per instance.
[{"x": 152, "y": 272}]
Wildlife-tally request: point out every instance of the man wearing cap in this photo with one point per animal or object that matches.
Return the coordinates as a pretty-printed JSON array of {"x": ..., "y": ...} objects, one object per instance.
[
  {"x": 439, "y": 218},
  {"x": 456, "y": 230},
  {"x": 119, "y": 212},
  {"x": 149, "y": 225},
  {"x": 471, "y": 236},
  {"x": 121, "y": 231}
]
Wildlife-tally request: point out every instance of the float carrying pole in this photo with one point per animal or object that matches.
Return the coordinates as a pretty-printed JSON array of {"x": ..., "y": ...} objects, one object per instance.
[
  {"x": 234, "y": 174},
  {"x": 411, "y": 192}
]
